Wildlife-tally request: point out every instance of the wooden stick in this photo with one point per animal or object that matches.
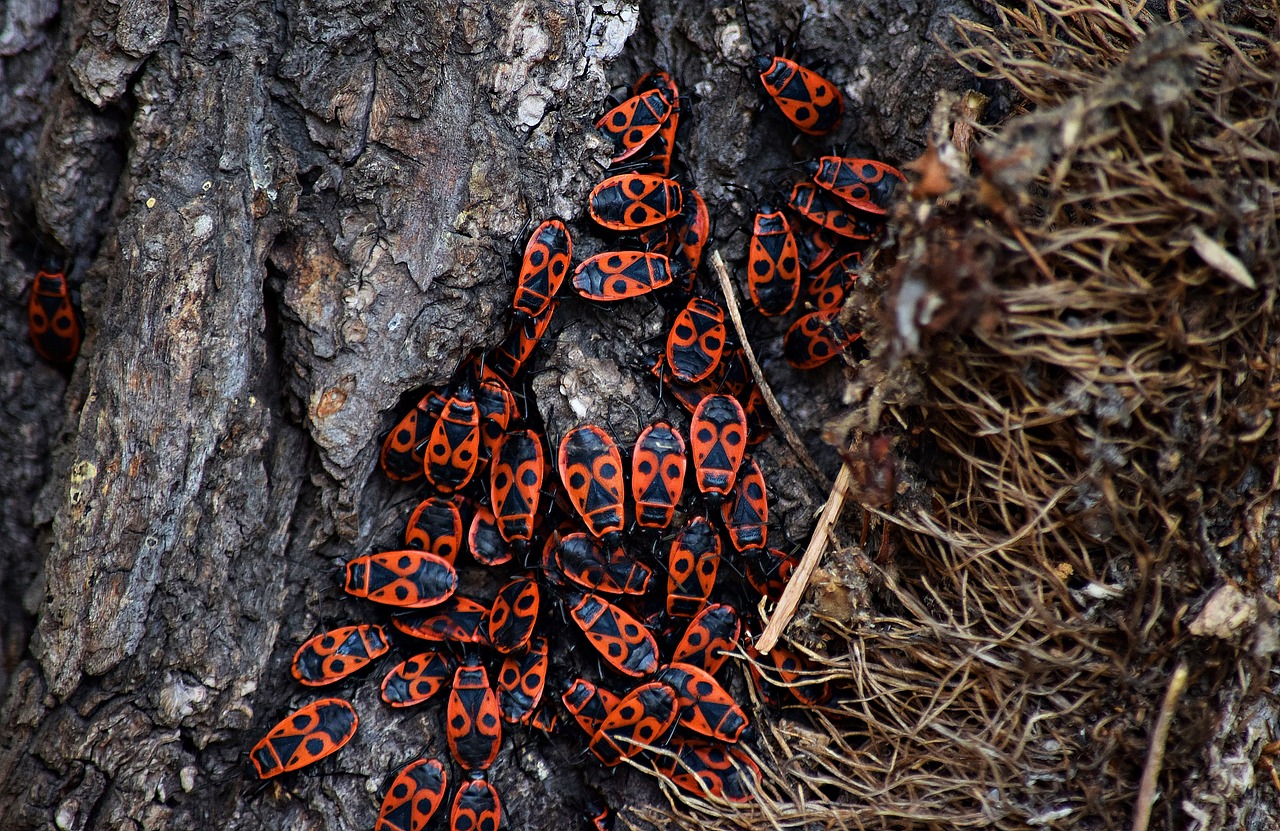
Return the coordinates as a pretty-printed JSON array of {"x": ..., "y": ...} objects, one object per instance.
[
  {"x": 803, "y": 573},
  {"x": 775, "y": 409}
]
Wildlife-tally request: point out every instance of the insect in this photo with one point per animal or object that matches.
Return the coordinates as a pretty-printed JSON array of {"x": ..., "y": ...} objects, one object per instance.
[
  {"x": 692, "y": 564},
  {"x": 477, "y": 807},
  {"x": 332, "y": 656},
  {"x": 454, "y": 447},
  {"x": 704, "y": 768},
  {"x": 613, "y": 571},
  {"x": 52, "y": 319},
  {"x": 814, "y": 339},
  {"x": 773, "y": 264},
  {"x": 746, "y": 512},
  {"x": 510, "y": 356},
  {"x": 591, "y": 470},
  {"x": 821, "y": 206},
  {"x": 402, "y": 451},
  {"x": 589, "y": 703},
  {"x": 598, "y": 815},
  {"x": 634, "y": 122},
  {"x": 691, "y": 230},
  {"x": 497, "y": 406},
  {"x": 815, "y": 245},
  {"x": 542, "y": 269},
  {"x": 484, "y": 539},
  {"x": 618, "y": 275},
  {"x": 865, "y": 184},
  {"x": 826, "y": 291},
  {"x": 514, "y": 614},
  {"x": 809, "y": 101},
  {"x": 704, "y": 706},
  {"x": 663, "y": 145},
  {"x": 718, "y": 436},
  {"x": 631, "y": 201},
  {"x": 784, "y": 669},
  {"x": 515, "y": 483},
  {"x": 657, "y": 474},
  {"x": 640, "y": 718},
  {"x": 621, "y": 639},
  {"x": 767, "y": 570},
  {"x": 417, "y": 679},
  {"x": 435, "y": 526},
  {"x": 414, "y": 797},
  {"x": 695, "y": 342},
  {"x": 474, "y": 728},
  {"x": 307, "y": 735},
  {"x": 521, "y": 682},
  {"x": 459, "y": 619},
  {"x": 410, "y": 579},
  {"x": 712, "y": 632}
]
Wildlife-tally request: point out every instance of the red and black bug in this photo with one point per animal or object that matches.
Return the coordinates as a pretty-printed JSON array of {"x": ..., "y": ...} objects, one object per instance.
[
  {"x": 621, "y": 639},
  {"x": 773, "y": 264},
  {"x": 631, "y": 201},
  {"x": 688, "y": 395},
  {"x": 634, "y": 122},
  {"x": 543, "y": 268},
  {"x": 663, "y": 145},
  {"x": 598, "y": 816},
  {"x": 591, "y": 470},
  {"x": 657, "y": 474},
  {"x": 641, "y": 718},
  {"x": 746, "y": 512},
  {"x": 485, "y": 540},
  {"x": 514, "y": 614},
  {"x": 459, "y": 620},
  {"x": 695, "y": 342},
  {"x": 865, "y": 184},
  {"x": 545, "y": 719},
  {"x": 474, "y": 726},
  {"x": 815, "y": 245},
  {"x": 705, "y": 768},
  {"x": 590, "y": 565},
  {"x": 521, "y": 682},
  {"x": 414, "y": 797},
  {"x": 822, "y": 207},
  {"x": 618, "y": 275},
  {"x": 410, "y": 579},
  {"x": 305, "y": 736},
  {"x": 515, "y": 482},
  {"x": 768, "y": 570},
  {"x": 435, "y": 526},
  {"x": 704, "y": 706},
  {"x": 497, "y": 408},
  {"x": 332, "y": 656},
  {"x": 809, "y": 101},
  {"x": 759, "y": 421},
  {"x": 692, "y": 564},
  {"x": 402, "y": 451},
  {"x": 510, "y": 356},
  {"x": 690, "y": 231},
  {"x": 718, "y": 436},
  {"x": 784, "y": 669},
  {"x": 814, "y": 339},
  {"x": 417, "y": 679},
  {"x": 713, "y": 632},
  {"x": 454, "y": 447},
  {"x": 52, "y": 319},
  {"x": 589, "y": 703},
  {"x": 826, "y": 291},
  {"x": 477, "y": 807}
]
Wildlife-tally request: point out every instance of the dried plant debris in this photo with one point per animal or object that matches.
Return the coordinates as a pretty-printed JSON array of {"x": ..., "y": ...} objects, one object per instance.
[{"x": 1069, "y": 591}]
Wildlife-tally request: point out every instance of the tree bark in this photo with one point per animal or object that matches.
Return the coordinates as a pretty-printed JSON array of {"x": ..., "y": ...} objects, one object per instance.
[{"x": 282, "y": 218}]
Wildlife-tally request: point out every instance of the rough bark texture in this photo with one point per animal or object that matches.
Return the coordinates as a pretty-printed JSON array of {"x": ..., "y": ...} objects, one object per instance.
[{"x": 282, "y": 218}]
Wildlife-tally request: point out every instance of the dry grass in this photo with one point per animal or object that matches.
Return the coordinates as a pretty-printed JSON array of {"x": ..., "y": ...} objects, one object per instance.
[{"x": 1077, "y": 364}]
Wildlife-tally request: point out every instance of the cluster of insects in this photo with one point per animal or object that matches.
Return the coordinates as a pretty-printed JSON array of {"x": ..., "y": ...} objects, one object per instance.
[{"x": 658, "y": 555}]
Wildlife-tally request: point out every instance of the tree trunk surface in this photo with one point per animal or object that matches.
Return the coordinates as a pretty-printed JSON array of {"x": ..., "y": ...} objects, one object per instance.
[{"x": 282, "y": 221}]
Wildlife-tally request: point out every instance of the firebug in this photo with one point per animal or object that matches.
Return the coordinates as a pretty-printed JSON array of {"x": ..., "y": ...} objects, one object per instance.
[
  {"x": 332, "y": 656},
  {"x": 657, "y": 474},
  {"x": 307, "y": 735}
]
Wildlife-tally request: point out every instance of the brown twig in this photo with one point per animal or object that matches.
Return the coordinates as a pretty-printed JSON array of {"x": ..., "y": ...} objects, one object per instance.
[
  {"x": 775, "y": 409},
  {"x": 1155, "y": 753},
  {"x": 799, "y": 580}
]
